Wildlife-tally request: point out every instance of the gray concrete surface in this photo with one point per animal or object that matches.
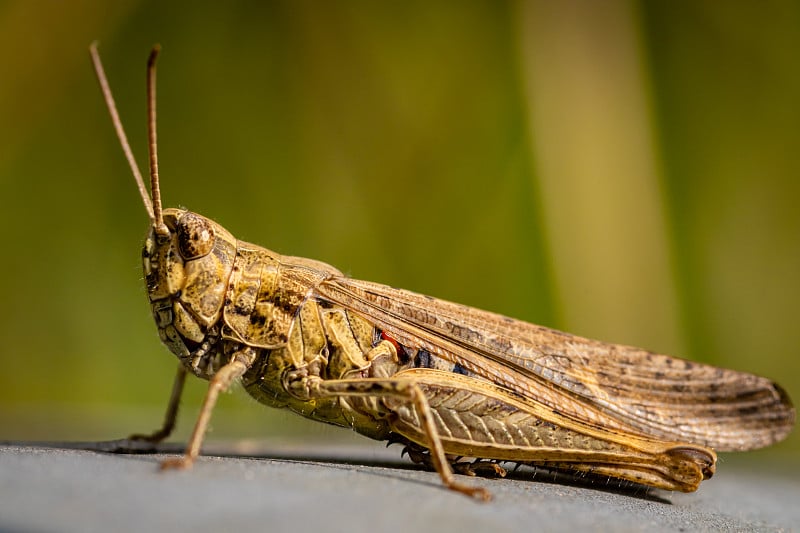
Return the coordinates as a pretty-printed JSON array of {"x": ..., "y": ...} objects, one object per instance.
[{"x": 66, "y": 488}]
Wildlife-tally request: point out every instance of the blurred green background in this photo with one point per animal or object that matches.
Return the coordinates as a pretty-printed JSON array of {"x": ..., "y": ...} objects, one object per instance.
[{"x": 626, "y": 171}]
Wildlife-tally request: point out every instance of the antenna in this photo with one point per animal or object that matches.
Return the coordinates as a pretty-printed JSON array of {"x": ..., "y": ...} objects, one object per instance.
[
  {"x": 155, "y": 189},
  {"x": 153, "y": 212}
]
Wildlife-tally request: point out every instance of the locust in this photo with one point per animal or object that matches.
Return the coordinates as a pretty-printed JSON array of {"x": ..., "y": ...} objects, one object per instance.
[{"x": 462, "y": 388}]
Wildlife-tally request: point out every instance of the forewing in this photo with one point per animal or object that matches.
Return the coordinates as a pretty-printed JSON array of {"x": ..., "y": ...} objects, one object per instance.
[{"x": 614, "y": 386}]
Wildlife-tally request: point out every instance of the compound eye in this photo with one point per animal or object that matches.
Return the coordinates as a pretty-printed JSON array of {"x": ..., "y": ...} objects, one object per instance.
[{"x": 195, "y": 236}]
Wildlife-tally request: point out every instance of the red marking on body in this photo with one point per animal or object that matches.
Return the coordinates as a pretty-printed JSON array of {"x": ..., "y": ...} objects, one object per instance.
[{"x": 386, "y": 337}]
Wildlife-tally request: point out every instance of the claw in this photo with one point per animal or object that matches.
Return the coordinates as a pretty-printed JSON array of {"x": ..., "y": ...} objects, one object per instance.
[
  {"x": 177, "y": 463},
  {"x": 478, "y": 493}
]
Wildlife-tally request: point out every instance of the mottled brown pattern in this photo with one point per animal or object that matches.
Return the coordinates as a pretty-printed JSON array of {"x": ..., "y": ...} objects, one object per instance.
[
  {"x": 469, "y": 382},
  {"x": 476, "y": 419},
  {"x": 451, "y": 379},
  {"x": 612, "y": 385}
]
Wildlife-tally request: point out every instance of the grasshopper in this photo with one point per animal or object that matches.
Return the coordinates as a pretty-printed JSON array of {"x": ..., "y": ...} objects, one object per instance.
[{"x": 449, "y": 381}]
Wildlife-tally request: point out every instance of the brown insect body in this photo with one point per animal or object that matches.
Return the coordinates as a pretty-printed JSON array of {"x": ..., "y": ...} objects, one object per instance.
[
  {"x": 531, "y": 394},
  {"x": 442, "y": 377}
]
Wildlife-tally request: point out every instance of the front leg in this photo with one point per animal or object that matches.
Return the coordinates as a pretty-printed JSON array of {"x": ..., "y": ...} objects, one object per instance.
[
  {"x": 172, "y": 411},
  {"x": 313, "y": 387},
  {"x": 220, "y": 382},
  {"x": 146, "y": 442}
]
